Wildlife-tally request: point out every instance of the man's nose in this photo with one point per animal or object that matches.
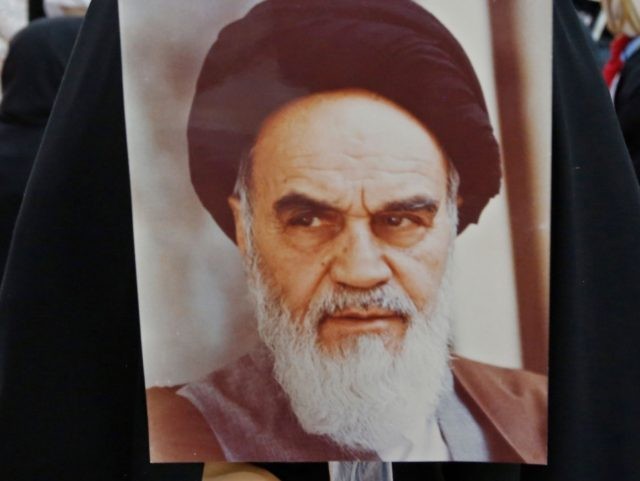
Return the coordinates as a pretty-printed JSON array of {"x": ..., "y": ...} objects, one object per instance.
[{"x": 359, "y": 261}]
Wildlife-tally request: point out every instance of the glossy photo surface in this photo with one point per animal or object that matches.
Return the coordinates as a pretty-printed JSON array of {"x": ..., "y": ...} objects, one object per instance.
[{"x": 341, "y": 219}]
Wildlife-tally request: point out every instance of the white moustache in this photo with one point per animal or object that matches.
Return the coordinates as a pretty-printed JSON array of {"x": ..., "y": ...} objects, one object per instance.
[{"x": 385, "y": 301}]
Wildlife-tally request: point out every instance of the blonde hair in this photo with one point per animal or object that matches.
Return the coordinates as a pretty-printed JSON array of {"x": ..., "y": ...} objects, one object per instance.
[{"x": 622, "y": 16}]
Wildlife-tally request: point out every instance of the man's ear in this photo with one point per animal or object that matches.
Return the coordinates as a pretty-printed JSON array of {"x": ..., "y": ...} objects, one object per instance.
[
  {"x": 459, "y": 201},
  {"x": 238, "y": 219}
]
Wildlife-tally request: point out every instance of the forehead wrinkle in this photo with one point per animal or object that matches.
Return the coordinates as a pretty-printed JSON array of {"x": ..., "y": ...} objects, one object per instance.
[
  {"x": 363, "y": 201},
  {"x": 383, "y": 163},
  {"x": 354, "y": 164},
  {"x": 307, "y": 114},
  {"x": 401, "y": 195},
  {"x": 337, "y": 190},
  {"x": 356, "y": 210},
  {"x": 311, "y": 189}
]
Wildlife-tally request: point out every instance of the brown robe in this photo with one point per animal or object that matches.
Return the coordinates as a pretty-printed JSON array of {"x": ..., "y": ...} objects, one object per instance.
[{"x": 509, "y": 405}]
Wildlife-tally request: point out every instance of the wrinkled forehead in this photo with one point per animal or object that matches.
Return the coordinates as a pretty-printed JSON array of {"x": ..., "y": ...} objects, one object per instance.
[{"x": 352, "y": 134}]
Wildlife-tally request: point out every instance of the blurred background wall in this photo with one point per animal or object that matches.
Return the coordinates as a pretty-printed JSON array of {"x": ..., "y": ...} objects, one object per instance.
[{"x": 13, "y": 16}]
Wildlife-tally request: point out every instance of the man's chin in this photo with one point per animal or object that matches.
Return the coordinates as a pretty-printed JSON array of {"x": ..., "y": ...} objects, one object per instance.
[
  {"x": 349, "y": 346},
  {"x": 361, "y": 377},
  {"x": 362, "y": 391}
]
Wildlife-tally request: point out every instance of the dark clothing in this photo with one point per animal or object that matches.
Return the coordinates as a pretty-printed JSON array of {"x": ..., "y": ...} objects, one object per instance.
[
  {"x": 486, "y": 412},
  {"x": 18, "y": 148},
  {"x": 627, "y": 103},
  {"x": 31, "y": 76},
  {"x": 33, "y": 69},
  {"x": 252, "y": 419},
  {"x": 72, "y": 402}
]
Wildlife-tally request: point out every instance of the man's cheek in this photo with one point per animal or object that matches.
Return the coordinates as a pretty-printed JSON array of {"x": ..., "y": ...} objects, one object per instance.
[
  {"x": 299, "y": 279},
  {"x": 419, "y": 275}
]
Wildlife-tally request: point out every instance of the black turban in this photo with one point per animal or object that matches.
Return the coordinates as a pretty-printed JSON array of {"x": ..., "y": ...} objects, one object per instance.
[{"x": 285, "y": 49}]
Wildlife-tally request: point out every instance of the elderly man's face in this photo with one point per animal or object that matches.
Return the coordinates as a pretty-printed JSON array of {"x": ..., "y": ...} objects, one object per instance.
[{"x": 349, "y": 192}]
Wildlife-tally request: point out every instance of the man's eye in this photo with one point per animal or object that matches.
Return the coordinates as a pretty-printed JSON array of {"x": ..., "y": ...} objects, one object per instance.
[
  {"x": 400, "y": 229},
  {"x": 305, "y": 220},
  {"x": 396, "y": 221}
]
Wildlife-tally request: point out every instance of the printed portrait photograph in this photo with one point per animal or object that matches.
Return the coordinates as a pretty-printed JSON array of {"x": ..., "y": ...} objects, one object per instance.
[{"x": 341, "y": 221}]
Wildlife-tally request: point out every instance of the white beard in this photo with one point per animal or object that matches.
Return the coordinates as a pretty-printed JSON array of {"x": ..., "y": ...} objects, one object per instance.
[{"x": 364, "y": 396}]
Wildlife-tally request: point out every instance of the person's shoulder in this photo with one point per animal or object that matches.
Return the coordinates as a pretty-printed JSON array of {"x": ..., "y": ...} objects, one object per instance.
[
  {"x": 177, "y": 430},
  {"x": 518, "y": 382},
  {"x": 513, "y": 402}
]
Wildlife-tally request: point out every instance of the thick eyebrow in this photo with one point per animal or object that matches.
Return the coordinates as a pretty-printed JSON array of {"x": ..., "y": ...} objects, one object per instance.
[
  {"x": 296, "y": 200},
  {"x": 412, "y": 204}
]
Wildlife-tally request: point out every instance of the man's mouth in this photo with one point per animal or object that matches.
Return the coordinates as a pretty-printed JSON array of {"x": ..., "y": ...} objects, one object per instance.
[
  {"x": 354, "y": 322},
  {"x": 364, "y": 315}
]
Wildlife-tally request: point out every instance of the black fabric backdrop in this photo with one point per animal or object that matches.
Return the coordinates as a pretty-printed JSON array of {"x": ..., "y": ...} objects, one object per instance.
[
  {"x": 31, "y": 76},
  {"x": 627, "y": 104},
  {"x": 71, "y": 386}
]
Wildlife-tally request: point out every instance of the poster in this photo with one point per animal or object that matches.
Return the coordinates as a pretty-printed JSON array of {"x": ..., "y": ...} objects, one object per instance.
[{"x": 341, "y": 220}]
